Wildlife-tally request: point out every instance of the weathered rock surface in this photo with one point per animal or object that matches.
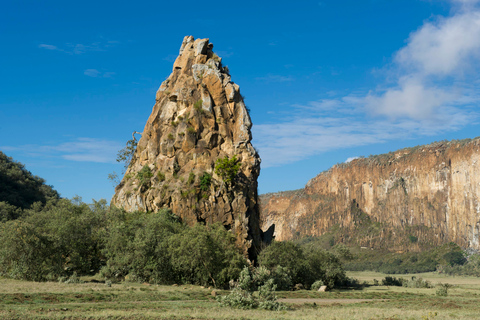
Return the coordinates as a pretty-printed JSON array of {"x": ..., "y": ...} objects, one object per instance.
[
  {"x": 431, "y": 193},
  {"x": 199, "y": 116}
]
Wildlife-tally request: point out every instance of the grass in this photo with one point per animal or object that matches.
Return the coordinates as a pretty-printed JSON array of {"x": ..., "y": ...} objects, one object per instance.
[{"x": 51, "y": 300}]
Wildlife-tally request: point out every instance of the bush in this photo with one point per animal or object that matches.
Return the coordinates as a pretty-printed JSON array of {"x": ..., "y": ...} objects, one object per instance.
[
  {"x": 205, "y": 181},
  {"x": 136, "y": 246},
  {"x": 206, "y": 255},
  {"x": 238, "y": 298},
  {"x": 242, "y": 297},
  {"x": 455, "y": 258},
  {"x": 392, "y": 281},
  {"x": 442, "y": 290},
  {"x": 227, "y": 168},
  {"x": 303, "y": 265},
  {"x": 144, "y": 175},
  {"x": 316, "y": 285},
  {"x": 57, "y": 240}
]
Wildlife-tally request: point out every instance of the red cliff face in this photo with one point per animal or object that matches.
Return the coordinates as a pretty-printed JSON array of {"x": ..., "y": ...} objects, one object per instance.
[{"x": 429, "y": 192}]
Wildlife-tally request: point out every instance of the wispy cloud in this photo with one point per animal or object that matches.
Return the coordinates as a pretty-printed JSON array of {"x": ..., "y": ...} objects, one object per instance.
[
  {"x": 274, "y": 78},
  {"x": 79, "y": 48},
  {"x": 81, "y": 149},
  {"x": 431, "y": 87},
  {"x": 94, "y": 73}
]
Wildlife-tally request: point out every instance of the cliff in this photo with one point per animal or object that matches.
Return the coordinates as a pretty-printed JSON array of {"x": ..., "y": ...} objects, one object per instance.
[
  {"x": 199, "y": 117},
  {"x": 422, "y": 196}
]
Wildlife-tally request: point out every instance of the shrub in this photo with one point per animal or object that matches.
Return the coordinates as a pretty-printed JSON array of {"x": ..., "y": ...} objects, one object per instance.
[
  {"x": 442, "y": 290},
  {"x": 316, "y": 285},
  {"x": 191, "y": 131},
  {"x": 392, "y": 281},
  {"x": 198, "y": 104},
  {"x": 160, "y": 176},
  {"x": 170, "y": 137},
  {"x": 227, "y": 168},
  {"x": 205, "y": 181},
  {"x": 238, "y": 298},
  {"x": 58, "y": 240},
  {"x": 191, "y": 178},
  {"x": 241, "y": 296},
  {"x": 144, "y": 175},
  {"x": 137, "y": 245},
  {"x": 455, "y": 258},
  {"x": 206, "y": 255}
]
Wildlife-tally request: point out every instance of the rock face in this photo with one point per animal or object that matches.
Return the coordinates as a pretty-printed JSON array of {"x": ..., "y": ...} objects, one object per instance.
[
  {"x": 423, "y": 195},
  {"x": 199, "y": 117}
]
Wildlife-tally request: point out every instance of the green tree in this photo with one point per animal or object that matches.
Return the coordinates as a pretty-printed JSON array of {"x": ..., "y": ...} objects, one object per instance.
[
  {"x": 125, "y": 155},
  {"x": 206, "y": 255}
]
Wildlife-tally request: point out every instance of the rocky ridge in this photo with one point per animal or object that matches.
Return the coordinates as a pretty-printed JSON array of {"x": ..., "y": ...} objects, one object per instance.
[
  {"x": 427, "y": 195},
  {"x": 199, "y": 117}
]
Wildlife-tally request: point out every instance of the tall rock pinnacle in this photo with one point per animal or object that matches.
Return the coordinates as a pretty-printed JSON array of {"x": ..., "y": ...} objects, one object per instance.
[{"x": 199, "y": 117}]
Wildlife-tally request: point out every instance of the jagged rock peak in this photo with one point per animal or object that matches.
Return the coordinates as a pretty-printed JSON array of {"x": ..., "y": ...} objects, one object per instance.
[{"x": 199, "y": 117}]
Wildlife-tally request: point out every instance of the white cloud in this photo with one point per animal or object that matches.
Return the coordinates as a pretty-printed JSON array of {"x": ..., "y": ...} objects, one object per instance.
[
  {"x": 411, "y": 99},
  {"x": 432, "y": 70},
  {"x": 48, "y": 46},
  {"x": 81, "y": 149},
  {"x": 274, "y": 78},
  {"x": 94, "y": 73},
  {"x": 443, "y": 47},
  {"x": 333, "y": 124},
  {"x": 79, "y": 48}
]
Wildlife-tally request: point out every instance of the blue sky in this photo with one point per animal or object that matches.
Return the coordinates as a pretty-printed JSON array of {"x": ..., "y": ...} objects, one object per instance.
[{"x": 325, "y": 81}]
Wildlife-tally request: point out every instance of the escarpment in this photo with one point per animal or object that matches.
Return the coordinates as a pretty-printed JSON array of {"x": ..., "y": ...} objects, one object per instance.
[
  {"x": 199, "y": 117},
  {"x": 427, "y": 195}
]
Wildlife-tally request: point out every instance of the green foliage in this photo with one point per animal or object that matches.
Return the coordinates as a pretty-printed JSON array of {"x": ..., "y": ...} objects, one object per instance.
[
  {"x": 136, "y": 246},
  {"x": 191, "y": 178},
  {"x": 53, "y": 241},
  {"x": 191, "y": 131},
  {"x": 198, "y": 104},
  {"x": 144, "y": 175},
  {"x": 160, "y": 176},
  {"x": 470, "y": 268},
  {"x": 170, "y": 137},
  {"x": 303, "y": 265},
  {"x": 20, "y": 189},
  {"x": 206, "y": 255},
  {"x": 113, "y": 177},
  {"x": 242, "y": 296},
  {"x": 417, "y": 283},
  {"x": 412, "y": 239},
  {"x": 454, "y": 258},
  {"x": 316, "y": 285},
  {"x": 442, "y": 289},
  {"x": 392, "y": 281},
  {"x": 227, "y": 168},
  {"x": 205, "y": 181},
  {"x": 125, "y": 155}
]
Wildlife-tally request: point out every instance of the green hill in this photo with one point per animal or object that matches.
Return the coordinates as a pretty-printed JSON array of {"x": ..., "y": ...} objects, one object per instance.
[{"x": 19, "y": 188}]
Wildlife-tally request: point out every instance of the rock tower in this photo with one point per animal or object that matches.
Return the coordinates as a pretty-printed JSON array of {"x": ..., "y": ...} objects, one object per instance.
[{"x": 199, "y": 117}]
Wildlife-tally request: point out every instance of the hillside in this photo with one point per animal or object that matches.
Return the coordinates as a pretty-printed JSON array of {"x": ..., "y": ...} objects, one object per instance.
[
  {"x": 405, "y": 200},
  {"x": 19, "y": 188}
]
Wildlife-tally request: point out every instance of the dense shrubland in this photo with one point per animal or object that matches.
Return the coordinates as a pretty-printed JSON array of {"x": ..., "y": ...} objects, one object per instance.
[
  {"x": 63, "y": 239},
  {"x": 448, "y": 258}
]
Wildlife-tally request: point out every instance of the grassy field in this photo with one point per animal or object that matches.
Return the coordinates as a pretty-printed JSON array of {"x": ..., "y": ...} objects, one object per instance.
[{"x": 50, "y": 300}]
